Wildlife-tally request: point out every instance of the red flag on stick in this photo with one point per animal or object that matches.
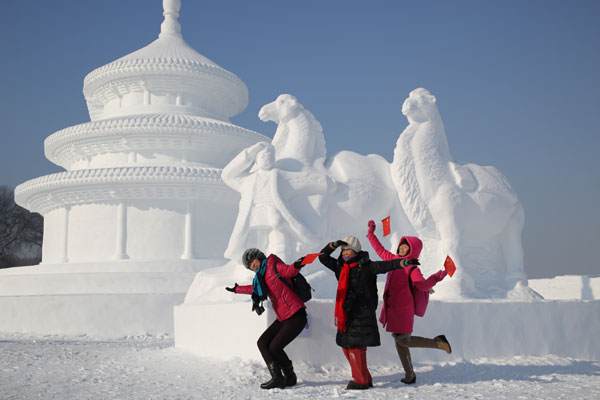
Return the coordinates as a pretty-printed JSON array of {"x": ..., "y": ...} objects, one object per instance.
[
  {"x": 386, "y": 226},
  {"x": 449, "y": 266},
  {"x": 309, "y": 258}
]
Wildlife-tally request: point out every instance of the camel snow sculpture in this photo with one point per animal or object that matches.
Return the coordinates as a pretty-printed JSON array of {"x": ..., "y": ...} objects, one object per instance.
[
  {"x": 467, "y": 211},
  {"x": 359, "y": 186},
  {"x": 299, "y": 140}
]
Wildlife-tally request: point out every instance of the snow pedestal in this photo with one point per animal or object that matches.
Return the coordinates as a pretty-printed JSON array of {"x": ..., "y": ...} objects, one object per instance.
[
  {"x": 568, "y": 287},
  {"x": 475, "y": 329},
  {"x": 105, "y": 300}
]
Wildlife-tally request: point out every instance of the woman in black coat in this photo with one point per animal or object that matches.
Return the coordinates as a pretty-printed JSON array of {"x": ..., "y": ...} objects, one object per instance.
[{"x": 356, "y": 303}]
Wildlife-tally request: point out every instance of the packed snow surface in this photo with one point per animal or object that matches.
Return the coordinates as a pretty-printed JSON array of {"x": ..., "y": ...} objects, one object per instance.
[
  {"x": 568, "y": 287},
  {"x": 149, "y": 367}
]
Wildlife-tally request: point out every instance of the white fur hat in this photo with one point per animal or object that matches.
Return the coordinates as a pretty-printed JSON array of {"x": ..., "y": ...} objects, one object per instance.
[{"x": 353, "y": 243}]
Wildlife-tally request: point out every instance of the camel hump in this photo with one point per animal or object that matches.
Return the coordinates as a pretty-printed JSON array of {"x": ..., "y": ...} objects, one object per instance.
[
  {"x": 348, "y": 166},
  {"x": 485, "y": 179}
]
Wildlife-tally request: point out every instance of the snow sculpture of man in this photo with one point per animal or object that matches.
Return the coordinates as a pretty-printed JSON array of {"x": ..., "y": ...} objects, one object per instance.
[{"x": 264, "y": 219}]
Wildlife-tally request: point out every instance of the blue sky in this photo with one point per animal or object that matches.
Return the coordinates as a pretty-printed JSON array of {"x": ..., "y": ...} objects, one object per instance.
[{"x": 517, "y": 85}]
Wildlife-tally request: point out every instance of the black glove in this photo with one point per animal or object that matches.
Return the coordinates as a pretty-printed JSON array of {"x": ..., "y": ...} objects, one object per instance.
[
  {"x": 298, "y": 263},
  {"x": 259, "y": 309},
  {"x": 338, "y": 243},
  {"x": 232, "y": 289},
  {"x": 411, "y": 261}
]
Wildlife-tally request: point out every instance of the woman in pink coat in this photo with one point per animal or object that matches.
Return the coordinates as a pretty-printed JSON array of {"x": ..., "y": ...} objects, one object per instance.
[
  {"x": 288, "y": 307},
  {"x": 397, "y": 313}
]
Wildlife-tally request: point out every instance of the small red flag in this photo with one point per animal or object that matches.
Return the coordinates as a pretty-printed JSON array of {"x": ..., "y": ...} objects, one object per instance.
[
  {"x": 386, "y": 226},
  {"x": 449, "y": 266},
  {"x": 309, "y": 258}
]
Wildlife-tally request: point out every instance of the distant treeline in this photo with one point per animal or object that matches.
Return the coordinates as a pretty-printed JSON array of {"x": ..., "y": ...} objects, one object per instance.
[{"x": 21, "y": 232}]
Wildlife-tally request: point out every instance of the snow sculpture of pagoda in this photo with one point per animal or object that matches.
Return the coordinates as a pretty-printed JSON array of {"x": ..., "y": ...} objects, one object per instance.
[{"x": 141, "y": 207}]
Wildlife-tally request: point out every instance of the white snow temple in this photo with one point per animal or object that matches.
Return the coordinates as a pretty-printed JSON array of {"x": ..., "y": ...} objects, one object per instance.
[{"x": 125, "y": 224}]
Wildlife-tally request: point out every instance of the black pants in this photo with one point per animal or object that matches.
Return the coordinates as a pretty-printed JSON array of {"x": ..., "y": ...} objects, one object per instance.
[{"x": 279, "y": 335}]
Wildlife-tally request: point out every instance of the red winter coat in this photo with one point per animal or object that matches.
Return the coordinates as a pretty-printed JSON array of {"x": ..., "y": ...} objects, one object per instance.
[
  {"x": 398, "y": 311},
  {"x": 284, "y": 300}
]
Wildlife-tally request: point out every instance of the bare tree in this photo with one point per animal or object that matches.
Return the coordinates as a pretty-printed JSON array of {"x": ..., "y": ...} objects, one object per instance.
[{"x": 21, "y": 232}]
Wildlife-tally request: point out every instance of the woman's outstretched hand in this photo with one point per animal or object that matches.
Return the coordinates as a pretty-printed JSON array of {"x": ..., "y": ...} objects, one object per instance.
[
  {"x": 441, "y": 274},
  {"x": 232, "y": 289},
  {"x": 371, "y": 225}
]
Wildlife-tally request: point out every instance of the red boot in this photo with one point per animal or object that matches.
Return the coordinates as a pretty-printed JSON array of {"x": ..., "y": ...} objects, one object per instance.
[
  {"x": 357, "y": 358},
  {"x": 363, "y": 365}
]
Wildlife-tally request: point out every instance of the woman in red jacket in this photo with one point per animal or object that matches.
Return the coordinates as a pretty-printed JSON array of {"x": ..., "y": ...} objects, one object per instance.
[
  {"x": 397, "y": 313},
  {"x": 288, "y": 307}
]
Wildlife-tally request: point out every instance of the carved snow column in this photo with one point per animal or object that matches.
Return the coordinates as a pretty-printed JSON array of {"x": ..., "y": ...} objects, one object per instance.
[
  {"x": 117, "y": 94},
  {"x": 121, "y": 242},
  {"x": 65, "y": 238},
  {"x": 188, "y": 251},
  {"x": 147, "y": 94}
]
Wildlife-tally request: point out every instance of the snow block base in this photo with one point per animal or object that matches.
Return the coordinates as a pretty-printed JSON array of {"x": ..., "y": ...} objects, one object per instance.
[
  {"x": 103, "y": 300},
  {"x": 97, "y": 315},
  {"x": 475, "y": 329}
]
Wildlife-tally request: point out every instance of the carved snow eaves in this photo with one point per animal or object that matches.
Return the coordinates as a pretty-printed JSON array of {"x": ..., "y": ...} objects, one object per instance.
[
  {"x": 107, "y": 185},
  {"x": 206, "y": 84},
  {"x": 167, "y": 75},
  {"x": 160, "y": 133}
]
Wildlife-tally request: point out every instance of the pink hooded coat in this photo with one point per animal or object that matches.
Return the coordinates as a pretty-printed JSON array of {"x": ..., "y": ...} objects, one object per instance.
[
  {"x": 284, "y": 300},
  {"x": 397, "y": 313}
]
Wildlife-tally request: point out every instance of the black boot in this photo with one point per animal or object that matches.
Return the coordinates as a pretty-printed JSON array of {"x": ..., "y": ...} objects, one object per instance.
[
  {"x": 277, "y": 379},
  {"x": 289, "y": 374},
  {"x": 357, "y": 386}
]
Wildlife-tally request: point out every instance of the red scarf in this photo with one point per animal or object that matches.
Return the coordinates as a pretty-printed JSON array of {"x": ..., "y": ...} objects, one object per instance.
[{"x": 341, "y": 316}]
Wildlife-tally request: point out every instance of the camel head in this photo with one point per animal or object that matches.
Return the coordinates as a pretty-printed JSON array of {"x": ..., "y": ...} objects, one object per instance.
[
  {"x": 281, "y": 110},
  {"x": 420, "y": 106}
]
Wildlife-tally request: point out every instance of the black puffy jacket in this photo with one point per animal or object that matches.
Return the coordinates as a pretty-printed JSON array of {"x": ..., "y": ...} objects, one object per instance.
[{"x": 361, "y": 299}]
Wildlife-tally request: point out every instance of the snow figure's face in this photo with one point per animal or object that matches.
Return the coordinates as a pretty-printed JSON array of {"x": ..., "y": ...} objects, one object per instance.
[
  {"x": 403, "y": 249},
  {"x": 254, "y": 265},
  {"x": 419, "y": 106},
  {"x": 265, "y": 160},
  {"x": 348, "y": 253}
]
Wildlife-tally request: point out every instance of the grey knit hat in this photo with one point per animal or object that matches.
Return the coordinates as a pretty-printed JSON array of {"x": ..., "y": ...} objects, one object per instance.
[
  {"x": 353, "y": 243},
  {"x": 250, "y": 255}
]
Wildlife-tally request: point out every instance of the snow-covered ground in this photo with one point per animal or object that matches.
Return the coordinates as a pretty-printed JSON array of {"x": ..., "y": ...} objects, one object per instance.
[
  {"x": 150, "y": 367},
  {"x": 59, "y": 367}
]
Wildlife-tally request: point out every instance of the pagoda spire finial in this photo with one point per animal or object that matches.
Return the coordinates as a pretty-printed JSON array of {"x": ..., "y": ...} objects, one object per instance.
[{"x": 170, "y": 26}]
